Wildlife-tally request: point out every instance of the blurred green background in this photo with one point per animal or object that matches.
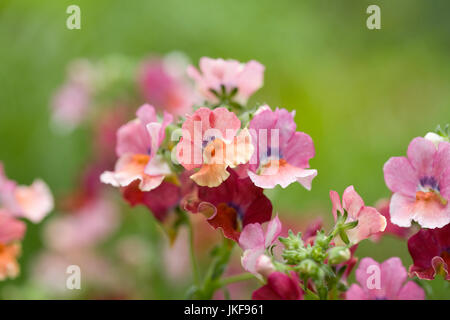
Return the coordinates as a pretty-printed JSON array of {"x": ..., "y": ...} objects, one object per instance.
[{"x": 361, "y": 94}]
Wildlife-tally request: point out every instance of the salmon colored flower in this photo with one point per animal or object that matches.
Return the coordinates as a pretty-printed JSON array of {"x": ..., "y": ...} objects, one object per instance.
[
  {"x": 280, "y": 286},
  {"x": 137, "y": 145},
  {"x": 9, "y": 268},
  {"x": 211, "y": 142},
  {"x": 254, "y": 242},
  {"x": 421, "y": 184},
  {"x": 11, "y": 229},
  {"x": 214, "y": 74},
  {"x": 231, "y": 206},
  {"x": 32, "y": 202},
  {"x": 385, "y": 281},
  {"x": 282, "y": 154},
  {"x": 370, "y": 221},
  {"x": 430, "y": 251}
]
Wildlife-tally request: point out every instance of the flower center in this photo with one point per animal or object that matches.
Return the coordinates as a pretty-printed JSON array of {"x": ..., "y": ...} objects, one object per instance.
[{"x": 428, "y": 190}]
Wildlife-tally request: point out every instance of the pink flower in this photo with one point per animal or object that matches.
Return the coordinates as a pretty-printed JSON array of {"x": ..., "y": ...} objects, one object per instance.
[
  {"x": 162, "y": 83},
  {"x": 430, "y": 251},
  {"x": 32, "y": 202},
  {"x": 279, "y": 286},
  {"x": 383, "y": 207},
  {"x": 231, "y": 74},
  {"x": 370, "y": 221},
  {"x": 254, "y": 242},
  {"x": 231, "y": 206},
  {"x": 421, "y": 184},
  {"x": 137, "y": 144},
  {"x": 282, "y": 154},
  {"x": 11, "y": 229},
  {"x": 211, "y": 142},
  {"x": 385, "y": 281}
]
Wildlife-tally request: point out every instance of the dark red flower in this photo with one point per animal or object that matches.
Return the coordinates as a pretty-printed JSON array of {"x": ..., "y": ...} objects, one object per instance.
[
  {"x": 430, "y": 251},
  {"x": 279, "y": 286},
  {"x": 232, "y": 205}
]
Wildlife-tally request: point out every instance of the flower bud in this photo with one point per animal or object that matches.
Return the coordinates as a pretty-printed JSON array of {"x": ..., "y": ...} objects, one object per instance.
[
  {"x": 264, "y": 266},
  {"x": 435, "y": 138},
  {"x": 338, "y": 255},
  {"x": 308, "y": 267}
]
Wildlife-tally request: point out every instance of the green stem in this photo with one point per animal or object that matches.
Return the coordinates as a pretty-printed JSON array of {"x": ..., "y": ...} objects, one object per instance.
[
  {"x": 232, "y": 279},
  {"x": 194, "y": 265}
]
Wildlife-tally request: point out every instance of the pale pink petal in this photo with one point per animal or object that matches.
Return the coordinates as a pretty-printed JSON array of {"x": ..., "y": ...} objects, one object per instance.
[
  {"x": 250, "y": 259},
  {"x": 393, "y": 275},
  {"x": 299, "y": 149},
  {"x": 365, "y": 270},
  {"x": 132, "y": 138},
  {"x": 336, "y": 202},
  {"x": 250, "y": 80},
  {"x": 400, "y": 176},
  {"x": 252, "y": 236},
  {"x": 370, "y": 222},
  {"x": 355, "y": 292},
  {"x": 273, "y": 231},
  {"x": 35, "y": 201},
  {"x": 352, "y": 202},
  {"x": 401, "y": 209},
  {"x": 411, "y": 291},
  {"x": 284, "y": 175},
  {"x": 146, "y": 114},
  {"x": 421, "y": 153},
  {"x": 11, "y": 229}
]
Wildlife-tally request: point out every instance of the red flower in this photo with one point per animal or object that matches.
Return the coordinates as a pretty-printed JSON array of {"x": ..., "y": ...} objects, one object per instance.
[
  {"x": 279, "y": 286},
  {"x": 430, "y": 251},
  {"x": 232, "y": 205}
]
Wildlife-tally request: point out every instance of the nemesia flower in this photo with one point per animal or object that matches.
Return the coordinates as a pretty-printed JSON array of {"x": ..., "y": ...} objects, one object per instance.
[
  {"x": 163, "y": 84},
  {"x": 370, "y": 221},
  {"x": 232, "y": 205},
  {"x": 11, "y": 229},
  {"x": 279, "y": 286},
  {"x": 211, "y": 143},
  {"x": 254, "y": 242},
  {"x": 137, "y": 144},
  {"x": 32, "y": 202},
  {"x": 9, "y": 268},
  {"x": 282, "y": 154},
  {"x": 383, "y": 207},
  {"x": 421, "y": 184},
  {"x": 430, "y": 251},
  {"x": 390, "y": 285},
  {"x": 231, "y": 74}
]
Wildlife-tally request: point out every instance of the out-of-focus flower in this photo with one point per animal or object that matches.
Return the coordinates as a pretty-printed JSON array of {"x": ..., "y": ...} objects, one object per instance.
[
  {"x": 72, "y": 101},
  {"x": 137, "y": 145},
  {"x": 282, "y": 154},
  {"x": 163, "y": 83},
  {"x": 11, "y": 229},
  {"x": 32, "y": 202},
  {"x": 430, "y": 251},
  {"x": 254, "y": 242},
  {"x": 232, "y": 205},
  {"x": 370, "y": 221},
  {"x": 385, "y": 281},
  {"x": 279, "y": 286},
  {"x": 383, "y": 207},
  {"x": 211, "y": 142},
  {"x": 9, "y": 267},
  {"x": 229, "y": 74},
  {"x": 83, "y": 228},
  {"x": 421, "y": 184}
]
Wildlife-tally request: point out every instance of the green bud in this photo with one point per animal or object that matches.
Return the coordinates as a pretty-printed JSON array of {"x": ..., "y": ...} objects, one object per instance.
[
  {"x": 293, "y": 242},
  {"x": 309, "y": 268},
  {"x": 318, "y": 254},
  {"x": 322, "y": 240},
  {"x": 338, "y": 255},
  {"x": 294, "y": 256}
]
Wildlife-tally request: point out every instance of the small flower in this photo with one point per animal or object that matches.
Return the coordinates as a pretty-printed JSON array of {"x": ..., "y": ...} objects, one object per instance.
[
  {"x": 11, "y": 229},
  {"x": 9, "y": 268},
  {"x": 232, "y": 75},
  {"x": 211, "y": 143},
  {"x": 282, "y": 154},
  {"x": 163, "y": 84},
  {"x": 385, "y": 281},
  {"x": 370, "y": 221},
  {"x": 430, "y": 251},
  {"x": 279, "y": 286},
  {"x": 254, "y": 242},
  {"x": 421, "y": 184},
  {"x": 232, "y": 206},
  {"x": 137, "y": 144},
  {"x": 32, "y": 202}
]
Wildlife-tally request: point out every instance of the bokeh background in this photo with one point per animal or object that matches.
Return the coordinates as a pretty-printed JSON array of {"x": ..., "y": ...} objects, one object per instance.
[{"x": 361, "y": 94}]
